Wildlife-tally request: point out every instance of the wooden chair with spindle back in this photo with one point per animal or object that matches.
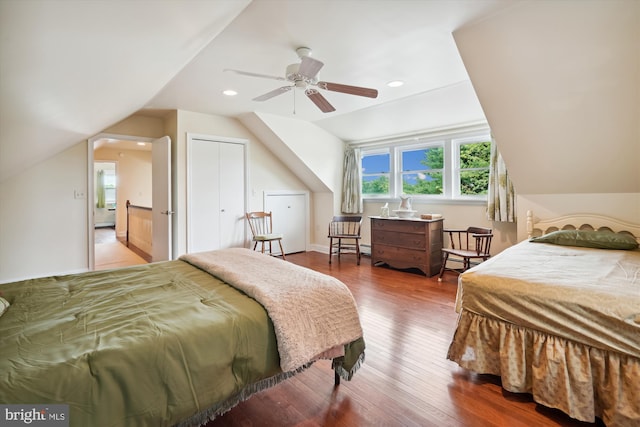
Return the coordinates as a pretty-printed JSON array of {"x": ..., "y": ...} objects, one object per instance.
[
  {"x": 261, "y": 224},
  {"x": 468, "y": 247},
  {"x": 345, "y": 230}
]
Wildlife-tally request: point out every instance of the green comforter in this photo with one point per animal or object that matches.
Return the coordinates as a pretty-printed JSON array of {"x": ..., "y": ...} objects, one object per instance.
[{"x": 152, "y": 345}]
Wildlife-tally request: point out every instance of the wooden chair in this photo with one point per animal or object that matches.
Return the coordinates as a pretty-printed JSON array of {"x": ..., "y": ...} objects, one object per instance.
[
  {"x": 345, "y": 228},
  {"x": 468, "y": 247},
  {"x": 261, "y": 225}
]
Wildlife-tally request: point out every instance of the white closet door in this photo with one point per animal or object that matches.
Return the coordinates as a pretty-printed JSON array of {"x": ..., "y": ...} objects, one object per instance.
[
  {"x": 204, "y": 201},
  {"x": 215, "y": 194},
  {"x": 289, "y": 218},
  {"x": 232, "y": 220}
]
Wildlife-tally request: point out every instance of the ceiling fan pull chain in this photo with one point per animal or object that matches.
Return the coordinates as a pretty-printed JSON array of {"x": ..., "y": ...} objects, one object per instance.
[{"x": 294, "y": 101}]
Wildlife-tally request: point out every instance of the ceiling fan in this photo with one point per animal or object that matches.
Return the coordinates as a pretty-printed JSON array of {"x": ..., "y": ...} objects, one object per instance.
[{"x": 305, "y": 74}]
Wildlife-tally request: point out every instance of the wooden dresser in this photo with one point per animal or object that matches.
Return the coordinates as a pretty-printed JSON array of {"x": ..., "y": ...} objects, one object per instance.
[{"x": 407, "y": 243}]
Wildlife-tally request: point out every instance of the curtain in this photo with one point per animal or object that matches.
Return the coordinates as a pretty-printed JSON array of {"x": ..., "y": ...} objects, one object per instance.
[
  {"x": 502, "y": 197},
  {"x": 351, "y": 190},
  {"x": 100, "y": 192}
]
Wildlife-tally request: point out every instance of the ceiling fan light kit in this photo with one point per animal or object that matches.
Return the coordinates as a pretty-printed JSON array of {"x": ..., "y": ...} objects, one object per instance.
[
  {"x": 305, "y": 74},
  {"x": 303, "y": 52}
]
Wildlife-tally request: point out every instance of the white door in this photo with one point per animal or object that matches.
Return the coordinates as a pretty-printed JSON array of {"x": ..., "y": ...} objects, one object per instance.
[
  {"x": 289, "y": 218},
  {"x": 161, "y": 199},
  {"x": 216, "y": 194},
  {"x": 232, "y": 221},
  {"x": 202, "y": 193}
]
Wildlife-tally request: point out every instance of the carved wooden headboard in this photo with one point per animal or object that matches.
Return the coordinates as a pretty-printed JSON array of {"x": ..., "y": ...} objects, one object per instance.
[{"x": 580, "y": 222}]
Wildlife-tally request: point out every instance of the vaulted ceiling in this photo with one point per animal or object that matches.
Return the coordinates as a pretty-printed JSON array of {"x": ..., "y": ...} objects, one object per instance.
[
  {"x": 69, "y": 69},
  {"x": 558, "y": 82}
]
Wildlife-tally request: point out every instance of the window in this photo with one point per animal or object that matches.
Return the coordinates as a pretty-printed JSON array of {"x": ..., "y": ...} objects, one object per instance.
[
  {"x": 422, "y": 170},
  {"x": 105, "y": 184},
  {"x": 376, "y": 166},
  {"x": 110, "y": 186},
  {"x": 451, "y": 167},
  {"x": 473, "y": 167}
]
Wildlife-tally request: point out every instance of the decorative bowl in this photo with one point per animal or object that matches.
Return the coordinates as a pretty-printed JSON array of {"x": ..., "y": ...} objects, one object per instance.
[{"x": 404, "y": 213}]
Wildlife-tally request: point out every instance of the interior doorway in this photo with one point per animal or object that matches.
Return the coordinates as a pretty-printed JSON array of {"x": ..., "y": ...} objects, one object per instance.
[
  {"x": 109, "y": 250},
  {"x": 128, "y": 183}
]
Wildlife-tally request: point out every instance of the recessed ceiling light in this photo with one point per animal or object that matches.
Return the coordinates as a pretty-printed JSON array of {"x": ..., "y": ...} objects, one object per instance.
[
  {"x": 142, "y": 144},
  {"x": 395, "y": 83},
  {"x": 230, "y": 92}
]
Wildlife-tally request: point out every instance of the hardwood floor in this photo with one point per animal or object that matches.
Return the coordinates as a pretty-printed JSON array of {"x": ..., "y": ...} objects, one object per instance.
[
  {"x": 112, "y": 253},
  {"x": 406, "y": 380}
]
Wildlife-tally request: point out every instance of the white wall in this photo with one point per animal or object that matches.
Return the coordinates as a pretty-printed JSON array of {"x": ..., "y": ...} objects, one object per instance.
[
  {"x": 266, "y": 172},
  {"x": 43, "y": 227},
  {"x": 559, "y": 82},
  {"x": 314, "y": 155}
]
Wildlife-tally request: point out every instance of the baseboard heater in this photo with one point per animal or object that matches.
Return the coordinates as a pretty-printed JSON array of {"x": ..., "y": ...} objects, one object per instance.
[{"x": 365, "y": 250}]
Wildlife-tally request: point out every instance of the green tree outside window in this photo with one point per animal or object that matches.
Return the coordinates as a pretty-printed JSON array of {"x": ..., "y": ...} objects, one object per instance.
[{"x": 474, "y": 168}]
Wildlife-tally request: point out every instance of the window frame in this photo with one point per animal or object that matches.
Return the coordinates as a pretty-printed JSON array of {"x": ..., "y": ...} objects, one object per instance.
[
  {"x": 374, "y": 152},
  {"x": 110, "y": 191},
  {"x": 450, "y": 141},
  {"x": 457, "y": 169},
  {"x": 399, "y": 150}
]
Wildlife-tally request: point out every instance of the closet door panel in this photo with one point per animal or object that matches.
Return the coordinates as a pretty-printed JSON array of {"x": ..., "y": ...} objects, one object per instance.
[
  {"x": 232, "y": 195},
  {"x": 290, "y": 219},
  {"x": 204, "y": 201}
]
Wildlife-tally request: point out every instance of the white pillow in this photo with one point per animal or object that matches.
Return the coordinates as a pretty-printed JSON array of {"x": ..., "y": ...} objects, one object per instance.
[{"x": 4, "y": 304}]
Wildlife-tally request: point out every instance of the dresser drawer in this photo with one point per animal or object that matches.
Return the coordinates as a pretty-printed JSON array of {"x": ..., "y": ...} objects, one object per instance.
[
  {"x": 404, "y": 240},
  {"x": 398, "y": 257},
  {"x": 398, "y": 225}
]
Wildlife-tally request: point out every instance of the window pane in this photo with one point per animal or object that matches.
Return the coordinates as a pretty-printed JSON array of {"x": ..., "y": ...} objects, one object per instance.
[
  {"x": 474, "y": 182},
  {"x": 474, "y": 168},
  {"x": 375, "y": 184},
  {"x": 422, "y": 183},
  {"x": 110, "y": 195},
  {"x": 109, "y": 178},
  {"x": 476, "y": 155},
  {"x": 423, "y": 159},
  {"x": 376, "y": 164}
]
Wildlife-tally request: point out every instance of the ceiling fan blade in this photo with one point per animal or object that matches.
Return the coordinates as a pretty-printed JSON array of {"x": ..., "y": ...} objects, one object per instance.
[
  {"x": 273, "y": 93},
  {"x": 351, "y": 90},
  {"x": 247, "y": 73},
  {"x": 320, "y": 101},
  {"x": 310, "y": 67}
]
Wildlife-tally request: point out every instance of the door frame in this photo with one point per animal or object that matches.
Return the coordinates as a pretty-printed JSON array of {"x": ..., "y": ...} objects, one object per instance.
[{"x": 90, "y": 185}]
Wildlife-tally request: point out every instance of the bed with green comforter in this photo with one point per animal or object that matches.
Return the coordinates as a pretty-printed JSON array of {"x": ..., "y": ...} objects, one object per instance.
[{"x": 156, "y": 345}]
